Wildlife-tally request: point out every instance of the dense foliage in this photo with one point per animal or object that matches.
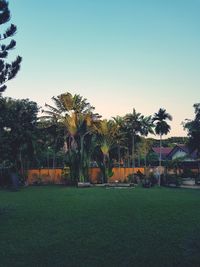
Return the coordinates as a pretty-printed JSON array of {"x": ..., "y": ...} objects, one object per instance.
[
  {"x": 7, "y": 70},
  {"x": 193, "y": 130},
  {"x": 17, "y": 131}
]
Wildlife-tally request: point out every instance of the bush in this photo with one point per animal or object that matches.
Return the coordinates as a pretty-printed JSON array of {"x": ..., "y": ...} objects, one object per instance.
[
  {"x": 172, "y": 180},
  {"x": 188, "y": 173},
  {"x": 66, "y": 177},
  {"x": 140, "y": 175},
  {"x": 146, "y": 183},
  {"x": 153, "y": 179},
  {"x": 133, "y": 178}
]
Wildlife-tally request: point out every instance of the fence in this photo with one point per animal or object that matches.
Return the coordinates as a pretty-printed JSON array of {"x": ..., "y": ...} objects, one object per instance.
[{"x": 54, "y": 176}]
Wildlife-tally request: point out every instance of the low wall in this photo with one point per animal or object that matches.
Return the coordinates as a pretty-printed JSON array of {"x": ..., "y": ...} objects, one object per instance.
[
  {"x": 120, "y": 174},
  {"x": 54, "y": 176}
]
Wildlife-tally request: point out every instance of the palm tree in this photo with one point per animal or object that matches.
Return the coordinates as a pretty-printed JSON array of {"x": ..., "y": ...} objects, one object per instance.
[
  {"x": 161, "y": 128},
  {"x": 147, "y": 128},
  {"x": 133, "y": 125},
  {"x": 119, "y": 136},
  {"x": 138, "y": 124},
  {"x": 105, "y": 142},
  {"x": 77, "y": 117}
]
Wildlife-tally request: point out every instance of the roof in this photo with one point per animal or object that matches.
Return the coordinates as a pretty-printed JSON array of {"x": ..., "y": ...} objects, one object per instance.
[
  {"x": 184, "y": 148},
  {"x": 164, "y": 150}
]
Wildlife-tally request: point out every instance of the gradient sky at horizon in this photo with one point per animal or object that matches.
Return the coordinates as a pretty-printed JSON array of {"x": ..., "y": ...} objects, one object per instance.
[{"x": 119, "y": 54}]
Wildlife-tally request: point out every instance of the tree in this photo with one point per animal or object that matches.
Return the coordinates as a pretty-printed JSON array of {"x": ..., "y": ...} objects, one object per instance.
[
  {"x": 119, "y": 137},
  {"x": 48, "y": 145},
  {"x": 76, "y": 115},
  {"x": 133, "y": 125},
  {"x": 7, "y": 70},
  {"x": 18, "y": 126},
  {"x": 137, "y": 124},
  {"x": 193, "y": 131},
  {"x": 106, "y": 131},
  {"x": 161, "y": 128}
]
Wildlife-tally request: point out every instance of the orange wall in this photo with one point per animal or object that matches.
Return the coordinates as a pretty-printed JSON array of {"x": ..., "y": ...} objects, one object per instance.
[
  {"x": 120, "y": 174},
  {"x": 45, "y": 175},
  {"x": 55, "y": 175}
]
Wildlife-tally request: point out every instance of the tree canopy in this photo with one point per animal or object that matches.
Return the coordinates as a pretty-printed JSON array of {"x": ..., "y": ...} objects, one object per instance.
[
  {"x": 193, "y": 130},
  {"x": 7, "y": 70},
  {"x": 18, "y": 119}
]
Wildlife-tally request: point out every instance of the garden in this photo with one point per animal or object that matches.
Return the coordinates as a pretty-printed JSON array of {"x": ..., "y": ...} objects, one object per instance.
[{"x": 80, "y": 189}]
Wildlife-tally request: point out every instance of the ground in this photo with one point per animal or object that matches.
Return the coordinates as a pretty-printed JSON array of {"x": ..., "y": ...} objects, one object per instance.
[{"x": 59, "y": 226}]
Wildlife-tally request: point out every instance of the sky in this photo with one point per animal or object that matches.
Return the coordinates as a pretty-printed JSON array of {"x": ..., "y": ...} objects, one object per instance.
[{"x": 119, "y": 54}]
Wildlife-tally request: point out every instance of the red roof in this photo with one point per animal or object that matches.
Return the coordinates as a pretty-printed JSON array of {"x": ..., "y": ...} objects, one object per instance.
[{"x": 164, "y": 150}]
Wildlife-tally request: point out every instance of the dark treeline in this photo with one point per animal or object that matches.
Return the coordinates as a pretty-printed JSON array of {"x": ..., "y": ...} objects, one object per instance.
[{"x": 70, "y": 133}]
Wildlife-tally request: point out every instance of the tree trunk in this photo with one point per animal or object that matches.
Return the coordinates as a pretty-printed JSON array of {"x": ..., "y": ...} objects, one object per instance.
[
  {"x": 138, "y": 159},
  {"x": 21, "y": 163},
  {"x": 105, "y": 169},
  {"x": 54, "y": 160},
  {"x": 81, "y": 178},
  {"x": 160, "y": 160},
  {"x": 198, "y": 168},
  {"x": 145, "y": 163},
  {"x": 133, "y": 154},
  {"x": 128, "y": 161},
  {"x": 119, "y": 158},
  {"x": 133, "y": 150}
]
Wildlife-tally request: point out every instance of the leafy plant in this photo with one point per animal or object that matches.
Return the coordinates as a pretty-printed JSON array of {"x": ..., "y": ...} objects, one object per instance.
[{"x": 146, "y": 182}]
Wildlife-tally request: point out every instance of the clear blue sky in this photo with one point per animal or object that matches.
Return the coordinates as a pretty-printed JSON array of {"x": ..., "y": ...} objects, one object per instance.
[{"x": 119, "y": 54}]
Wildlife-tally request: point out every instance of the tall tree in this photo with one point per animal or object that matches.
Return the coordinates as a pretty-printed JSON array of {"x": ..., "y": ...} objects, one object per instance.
[
  {"x": 18, "y": 120},
  {"x": 7, "y": 70},
  {"x": 137, "y": 124},
  {"x": 161, "y": 128},
  {"x": 77, "y": 117},
  {"x": 133, "y": 125},
  {"x": 119, "y": 136},
  {"x": 193, "y": 130},
  {"x": 106, "y": 131}
]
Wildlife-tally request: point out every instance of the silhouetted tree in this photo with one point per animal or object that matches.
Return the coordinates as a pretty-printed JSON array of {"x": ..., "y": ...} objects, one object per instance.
[
  {"x": 18, "y": 121},
  {"x": 193, "y": 130},
  {"x": 161, "y": 128},
  {"x": 7, "y": 70}
]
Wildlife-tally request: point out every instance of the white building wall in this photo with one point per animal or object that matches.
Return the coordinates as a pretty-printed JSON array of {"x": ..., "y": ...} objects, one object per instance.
[{"x": 179, "y": 154}]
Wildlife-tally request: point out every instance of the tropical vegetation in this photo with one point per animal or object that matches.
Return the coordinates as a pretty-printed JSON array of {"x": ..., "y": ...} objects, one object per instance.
[{"x": 7, "y": 70}]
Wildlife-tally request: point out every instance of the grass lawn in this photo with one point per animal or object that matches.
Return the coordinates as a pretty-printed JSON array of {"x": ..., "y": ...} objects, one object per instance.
[{"x": 59, "y": 226}]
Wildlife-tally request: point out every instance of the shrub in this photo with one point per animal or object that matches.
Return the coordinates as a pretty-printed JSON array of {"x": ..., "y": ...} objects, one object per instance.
[
  {"x": 188, "y": 173},
  {"x": 146, "y": 183},
  {"x": 153, "y": 179},
  {"x": 173, "y": 180},
  {"x": 66, "y": 177},
  {"x": 133, "y": 178},
  {"x": 140, "y": 175}
]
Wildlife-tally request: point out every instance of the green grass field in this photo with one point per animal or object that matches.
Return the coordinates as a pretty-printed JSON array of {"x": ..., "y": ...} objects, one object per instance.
[{"x": 59, "y": 226}]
